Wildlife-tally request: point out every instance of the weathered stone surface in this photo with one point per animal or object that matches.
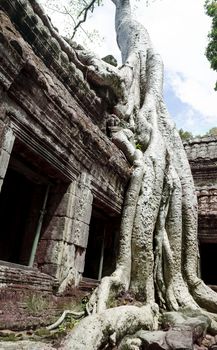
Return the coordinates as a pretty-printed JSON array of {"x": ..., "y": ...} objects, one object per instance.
[
  {"x": 4, "y": 160},
  {"x": 49, "y": 251},
  {"x": 205, "y": 147},
  {"x": 83, "y": 206},
  {"x": 170, "y": 319},
  {"x": 80, "y": 232},
  {"x": 153, "y": 340},
  {"x": 58, "y": 123},
  {"x": 24, "y": 345},
  {"x": 58, "y": 228},
  {"x": 179, "y": 338},
  {"x": 72, "y": 117},
  {"x": 8, "y": 140},
  {"x": 199, "y": 327},
  {"x": 80, "y": 259},
  {"x": 63, "y": 206},
  {"x": 197, "y": 324},
  {"x": 50, "y": 269},
  {"x": 18, "y": 277},
  {"x": 202, "y": 155},
  {"x": 175, "y": 338},
  {"x": 208, "y": 341},
  {"x": 68, "y": 257}
]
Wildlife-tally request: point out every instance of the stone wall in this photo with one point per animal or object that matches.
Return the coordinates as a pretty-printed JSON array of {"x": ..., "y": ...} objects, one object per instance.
[
  {"x": 202, "y": 155},
  {"x": 58, "y": 168},
  {"x": 53, "y": 143}
]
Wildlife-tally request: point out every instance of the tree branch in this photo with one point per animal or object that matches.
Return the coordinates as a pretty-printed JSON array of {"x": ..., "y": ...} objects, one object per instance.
[
  {"x": 85, "y": 10},
  {"x": 85, "y": 32}
]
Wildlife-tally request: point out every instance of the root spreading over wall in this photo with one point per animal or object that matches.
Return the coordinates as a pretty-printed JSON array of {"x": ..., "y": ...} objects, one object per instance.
[{"x": 158, "y": 257}]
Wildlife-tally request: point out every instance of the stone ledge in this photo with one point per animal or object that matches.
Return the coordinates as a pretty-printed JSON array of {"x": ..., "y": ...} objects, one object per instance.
[{"x": 17, "y": 276}]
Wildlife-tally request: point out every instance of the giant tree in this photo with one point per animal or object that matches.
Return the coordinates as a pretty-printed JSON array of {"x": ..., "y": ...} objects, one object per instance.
[{"x": 158, "y": 254}]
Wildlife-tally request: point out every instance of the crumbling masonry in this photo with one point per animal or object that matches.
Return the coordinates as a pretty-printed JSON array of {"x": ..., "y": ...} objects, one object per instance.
[{"x": 62, "y": 179}]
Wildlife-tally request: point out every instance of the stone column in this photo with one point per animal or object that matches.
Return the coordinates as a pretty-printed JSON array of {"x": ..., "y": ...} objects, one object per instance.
[
  {"x": 62, "y": 247},
  {"x": 56, "y": 229},
  {"x": 81, "y": 221},
  {"x": 6, "y": 144},
  {"x": 76, "y": 234}
]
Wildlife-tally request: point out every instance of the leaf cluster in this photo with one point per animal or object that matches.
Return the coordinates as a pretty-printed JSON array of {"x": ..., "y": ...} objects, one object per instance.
[
  {"x": 211, "y": 50},
  {"x": 212, "y": 131},
  {"x": 185, "y": 135}
]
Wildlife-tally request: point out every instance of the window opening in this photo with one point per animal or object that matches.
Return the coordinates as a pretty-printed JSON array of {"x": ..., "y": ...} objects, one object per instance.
[
  {"x": 101, "y": 249},
  {"x": 208, "y": 254},
  {"x": 38, "y": 228},
  {"x": 20, "y": 200}
]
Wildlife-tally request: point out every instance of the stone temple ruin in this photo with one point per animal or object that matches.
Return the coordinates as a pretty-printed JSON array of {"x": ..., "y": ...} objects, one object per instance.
[
  {"x": 62, "y": 179},
  {"x": 202, "y": 155}
]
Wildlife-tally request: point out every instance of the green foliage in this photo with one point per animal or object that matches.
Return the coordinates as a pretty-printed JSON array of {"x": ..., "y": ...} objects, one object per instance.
[
  {"x": 139, "y": 146},
  {"x": 212, "y": 131},
  {"x": 9, "y": 336},
  {"x": 36, "y": 304},
  {"x": 185, "y": 135},
  {"x": 42, "y": 332},
  {"x": 112, "y": 300},
  {"x": 211, "y": 51}
]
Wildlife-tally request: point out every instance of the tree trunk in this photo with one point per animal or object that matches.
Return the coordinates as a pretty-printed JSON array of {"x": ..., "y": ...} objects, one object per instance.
[{"x": 158, "y": 256}]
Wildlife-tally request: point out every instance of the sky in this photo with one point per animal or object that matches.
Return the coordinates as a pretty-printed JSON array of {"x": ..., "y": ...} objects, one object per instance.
[{"x": 178, "y": 30}]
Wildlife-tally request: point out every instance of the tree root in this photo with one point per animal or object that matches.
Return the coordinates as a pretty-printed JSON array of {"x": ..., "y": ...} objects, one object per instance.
[
  {"x": 65, "y": 313},
  {"x": 110, "y": 326},
  {"x": 160, "y": 209}
]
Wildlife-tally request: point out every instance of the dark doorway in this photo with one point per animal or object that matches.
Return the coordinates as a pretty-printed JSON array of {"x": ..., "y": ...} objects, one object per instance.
[
  {"x": 101, "y": 250},
  {"x": 27, "y": 196},
  {"x": 16, "y": 202},
  {"x": 208, "y": 256}
]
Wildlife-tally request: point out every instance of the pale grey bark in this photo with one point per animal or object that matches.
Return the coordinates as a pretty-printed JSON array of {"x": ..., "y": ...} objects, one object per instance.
[
  {"x": 158, "y": 241},
  {"x": 110, "y": 326},
  {"x": 65, "y": 313}
]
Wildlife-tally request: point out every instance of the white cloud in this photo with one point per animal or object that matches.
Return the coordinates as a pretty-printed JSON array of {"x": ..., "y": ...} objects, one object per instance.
[
  {"x": 178, "y": 29},
  {"x": 196, "y": 95}
]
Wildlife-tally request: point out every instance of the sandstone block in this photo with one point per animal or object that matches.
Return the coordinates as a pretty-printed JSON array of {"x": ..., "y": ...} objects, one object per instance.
[
  {"x": 180, "y": 338},
  {"x": 85, "y": 179},
  {"x": 62, "y": 205},
  {"x": 56, "y": 228},
  {"x": 83, "y": 207},
  {"x": 68, "y": 256},
  {"x": 2, "y": 125},
  {"x": 4, "y": 160},
  {"x": 80, "y": 233},
  {"x": 72, "y": 187},
  {"x": 80, "y": 259},
  {"x": 8, "y": 140},
  {"x": 50, "y": 269},
  {"x": 49, "y": 251},
  {"x": 153, "y": 340},
  {"x": 24, "y": 345}
]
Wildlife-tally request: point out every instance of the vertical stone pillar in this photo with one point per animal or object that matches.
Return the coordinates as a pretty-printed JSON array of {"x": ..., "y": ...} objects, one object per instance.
[
  {"x": 6, "y": 144},
  {"x": 76, "y": 233},
  {"x": 80, "y": 229},
  {"x": 62, "y": 247},
  {"x": 56, "y": 229}
]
